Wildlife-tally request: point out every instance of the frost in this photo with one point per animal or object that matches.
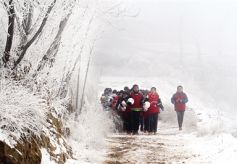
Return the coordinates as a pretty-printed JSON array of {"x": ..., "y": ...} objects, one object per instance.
[{"x": 22, "y": 113}]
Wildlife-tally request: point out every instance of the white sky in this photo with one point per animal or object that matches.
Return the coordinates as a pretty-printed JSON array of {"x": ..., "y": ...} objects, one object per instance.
[{"x": 171, "y": 27}]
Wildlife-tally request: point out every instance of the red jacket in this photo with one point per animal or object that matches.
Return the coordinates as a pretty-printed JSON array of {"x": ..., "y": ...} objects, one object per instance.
[
  {"x": 114, "y": 101},
  {"x": 153, "y": 99},
  {"x": 138, "y": 98},
  {"x": 128, "y": 109},
  {"x": 179, "y": 100}
]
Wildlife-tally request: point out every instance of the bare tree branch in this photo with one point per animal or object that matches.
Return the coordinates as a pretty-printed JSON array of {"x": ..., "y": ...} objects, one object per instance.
[
  {"x": 86, "y": 77},
  {"x": 68, "y": 74},
  {"x": 5, "y": 4},
  {"x": 27, "y": 21},
  {"x": 49, "y": 57},
  {"x": 35, "y": 24},
  {"x": 29, "y": 43},
  {"x": 21, "y": 30}
]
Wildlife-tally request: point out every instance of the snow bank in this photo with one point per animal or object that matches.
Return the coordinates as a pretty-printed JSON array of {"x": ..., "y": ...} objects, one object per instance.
[
  {"x": 211, "y": 148},
  {"x": 88, "y": 135},
  {"x": 22, "y": 113}
]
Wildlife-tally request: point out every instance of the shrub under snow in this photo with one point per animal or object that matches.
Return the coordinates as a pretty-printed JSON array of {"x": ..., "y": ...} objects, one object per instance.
[{"x": 22, "y": 113}]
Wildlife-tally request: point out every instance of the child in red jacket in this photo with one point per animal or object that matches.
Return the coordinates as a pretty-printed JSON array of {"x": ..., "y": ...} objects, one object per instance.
[
  {"x": 179, "y": 99},
  {"x": 154, "y": 110}
]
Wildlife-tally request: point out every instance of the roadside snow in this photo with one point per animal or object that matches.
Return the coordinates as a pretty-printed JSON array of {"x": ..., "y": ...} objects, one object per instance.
[
  {"x": 217, "y": 149},
  {"x": 46, "y": 157},
  {"x": 88, "y": 135}
]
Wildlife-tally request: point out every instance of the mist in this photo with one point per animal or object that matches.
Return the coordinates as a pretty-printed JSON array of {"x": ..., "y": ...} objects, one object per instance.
[{"x": 192, "y": 43}]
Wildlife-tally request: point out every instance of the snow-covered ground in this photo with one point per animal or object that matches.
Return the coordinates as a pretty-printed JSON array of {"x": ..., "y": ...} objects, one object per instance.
[{"x": 171, "y": 146}]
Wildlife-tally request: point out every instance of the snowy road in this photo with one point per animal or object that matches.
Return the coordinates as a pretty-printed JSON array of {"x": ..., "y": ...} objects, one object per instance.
[{"x": 168, "y": 146}]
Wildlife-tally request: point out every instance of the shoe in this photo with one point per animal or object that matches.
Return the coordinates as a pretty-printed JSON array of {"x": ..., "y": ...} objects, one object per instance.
[
  {"x": 180, "y": 128},
  {"x": 135, "y": 133}
]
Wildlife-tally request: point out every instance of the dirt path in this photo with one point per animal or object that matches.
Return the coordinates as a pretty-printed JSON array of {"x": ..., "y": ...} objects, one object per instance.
[{"x": 164, "y": 147}]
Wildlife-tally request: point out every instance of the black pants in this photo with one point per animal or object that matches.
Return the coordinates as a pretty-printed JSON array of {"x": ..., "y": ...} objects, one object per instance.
[
  {"x": 126, "y": 122},
  {"x": 180, "y": 117},
  {"x": 135, "y": 118},
  {"x": 153, "y": 121},
  {"x": 146, "y": 123},
  {"x": 141, "y": 122}
]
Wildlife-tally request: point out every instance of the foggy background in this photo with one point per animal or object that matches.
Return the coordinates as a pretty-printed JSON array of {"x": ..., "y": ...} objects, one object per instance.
[{"x": 191, "y": 42}]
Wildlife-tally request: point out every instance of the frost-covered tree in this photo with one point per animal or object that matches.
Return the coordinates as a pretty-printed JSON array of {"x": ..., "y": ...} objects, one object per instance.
[
  {"x": 26, "y": 23},
  {"x": 10, "y": 32},
  {"x": 29, "y": 32}
]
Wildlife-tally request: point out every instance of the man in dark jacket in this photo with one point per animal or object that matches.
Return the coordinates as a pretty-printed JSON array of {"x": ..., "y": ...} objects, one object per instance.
[{"x": 179, "y": 99}]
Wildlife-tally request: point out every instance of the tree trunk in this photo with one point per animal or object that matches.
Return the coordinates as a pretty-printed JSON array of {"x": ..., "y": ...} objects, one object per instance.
[{"x": 11, "y": 20}]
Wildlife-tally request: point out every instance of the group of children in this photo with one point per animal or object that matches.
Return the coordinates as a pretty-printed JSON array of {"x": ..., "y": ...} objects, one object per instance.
[
  {"x": 135, "y": 107},
  {"x": 141, "y": 108}
]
